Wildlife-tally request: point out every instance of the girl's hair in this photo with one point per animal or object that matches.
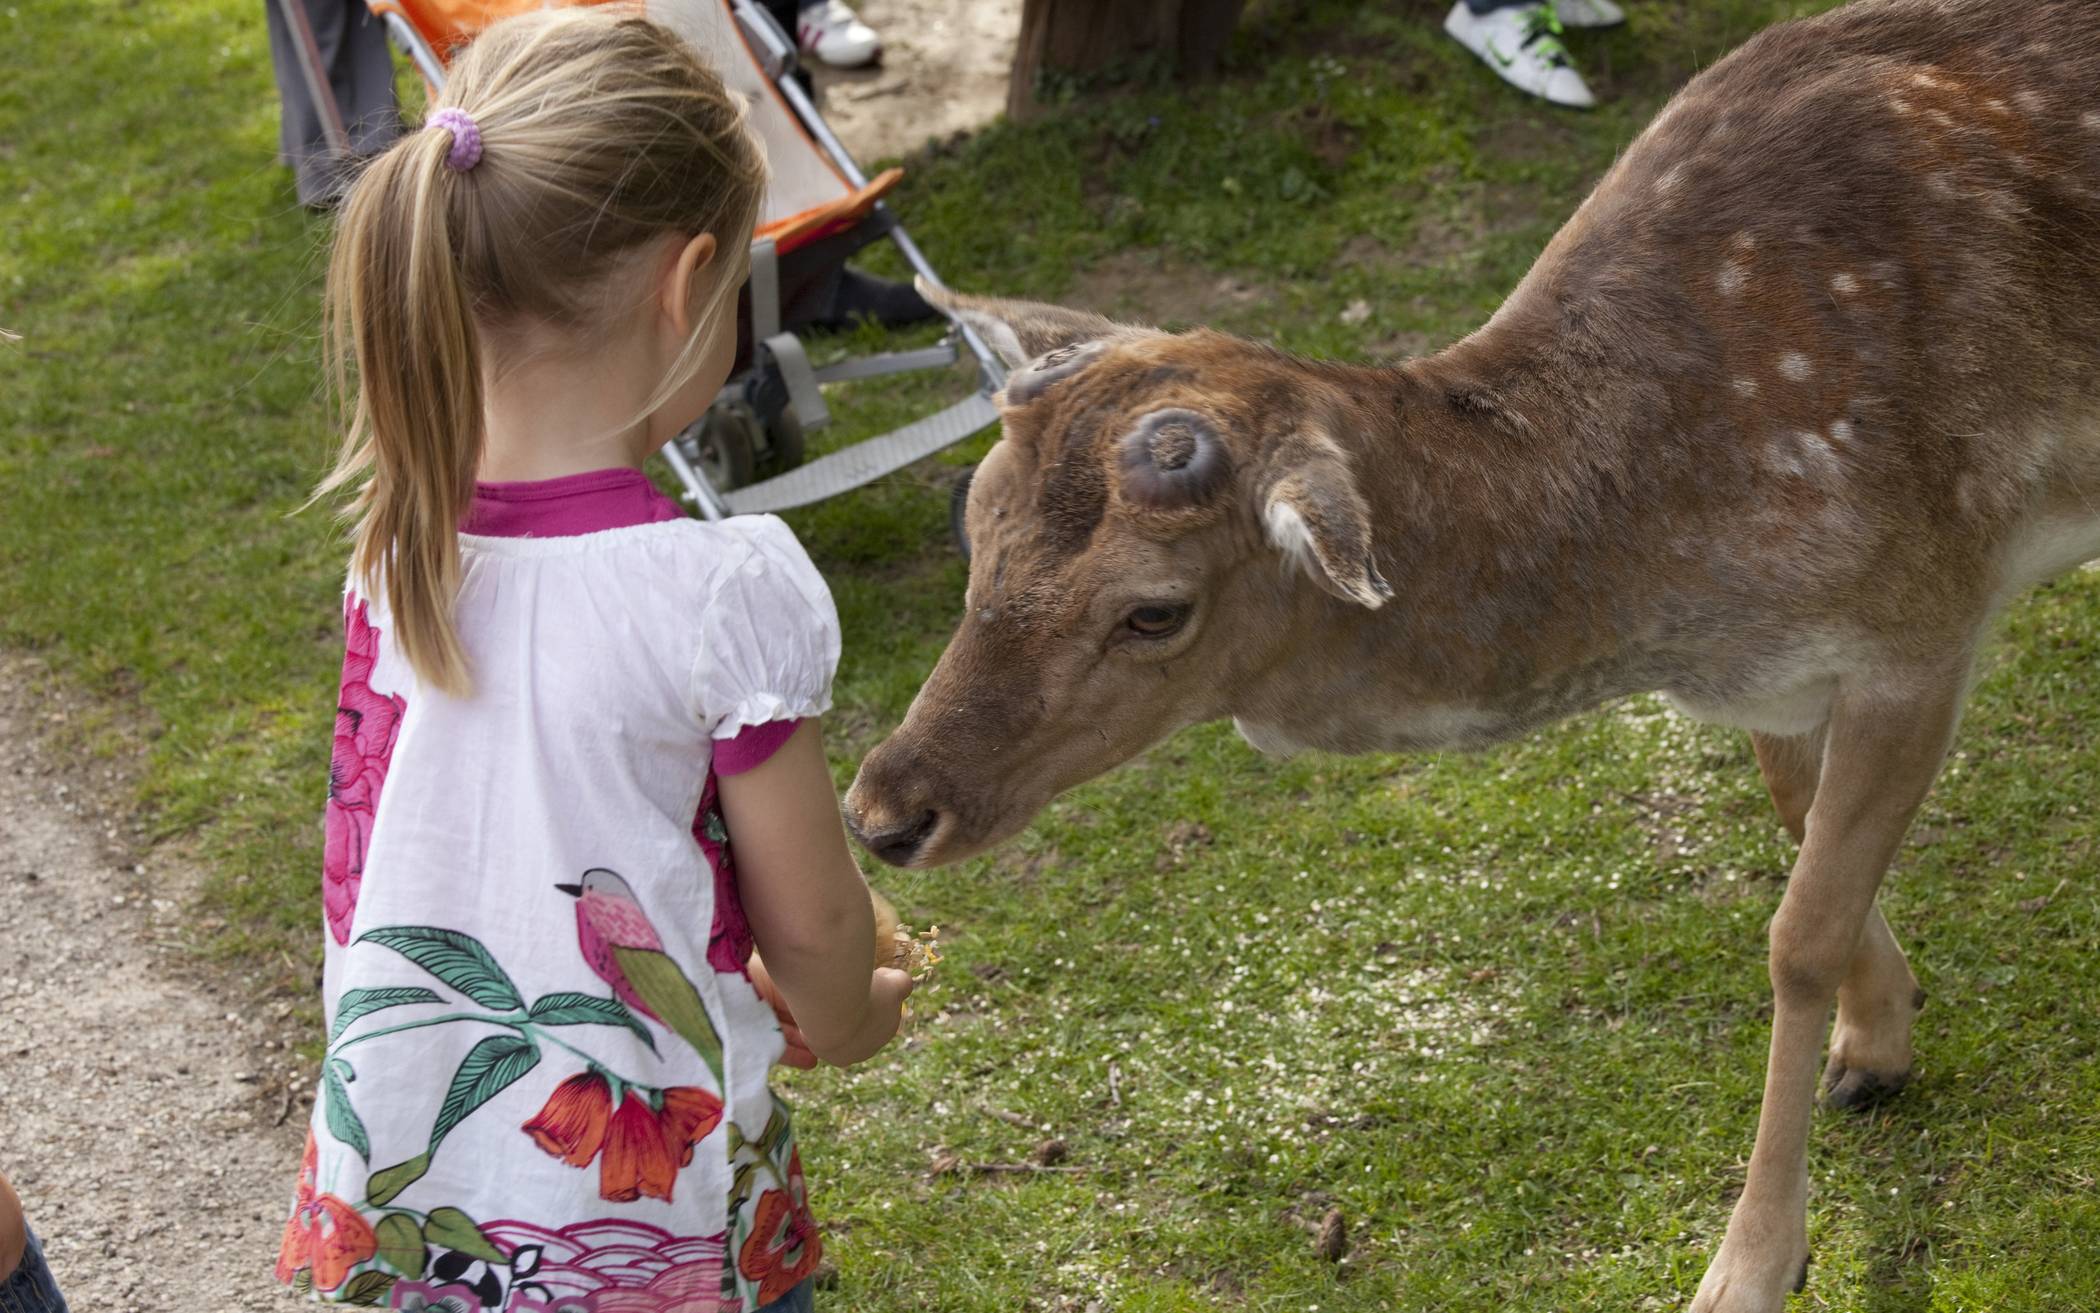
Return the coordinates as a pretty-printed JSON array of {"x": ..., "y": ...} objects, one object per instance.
[{"x": 600, "y": 132}]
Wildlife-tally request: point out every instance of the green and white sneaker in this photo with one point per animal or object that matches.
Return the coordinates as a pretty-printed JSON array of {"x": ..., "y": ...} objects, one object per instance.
[
  {"x": 1522, "y": 44},
  {"x": 1588, "y": 13}
]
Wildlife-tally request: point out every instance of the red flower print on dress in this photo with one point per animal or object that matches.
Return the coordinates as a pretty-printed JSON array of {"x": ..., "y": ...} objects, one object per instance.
[
  {"x": 783, "y": 1248},
  {"x": 366, "y": 725},
  {"x": 323, "y": 1234},
  {"x": 636, "y": 1161},
  {"x": 729, "y": 942},
  {"x": 689, "y": 1115},
  {"x": 640, "y": 1146},
  {"x": 572, "y": 1125}
]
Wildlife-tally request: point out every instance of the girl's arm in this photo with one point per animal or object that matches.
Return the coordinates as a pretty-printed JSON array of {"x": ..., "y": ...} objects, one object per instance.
[{"x": 806, "y": 901}]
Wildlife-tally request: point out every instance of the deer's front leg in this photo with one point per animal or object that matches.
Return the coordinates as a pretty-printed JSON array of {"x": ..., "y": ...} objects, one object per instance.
[{"x": 1882, "y": 752}]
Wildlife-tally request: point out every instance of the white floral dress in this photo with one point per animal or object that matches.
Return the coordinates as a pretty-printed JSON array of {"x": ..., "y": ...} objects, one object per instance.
[{"x": 545, "y": 1085}]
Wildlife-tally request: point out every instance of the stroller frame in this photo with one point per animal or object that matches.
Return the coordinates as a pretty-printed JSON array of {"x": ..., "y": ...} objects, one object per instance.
[{"x": 765, "y": 408}]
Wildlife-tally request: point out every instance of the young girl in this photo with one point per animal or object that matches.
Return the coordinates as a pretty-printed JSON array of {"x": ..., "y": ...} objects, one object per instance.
[{"x": 546, "y": 1076}]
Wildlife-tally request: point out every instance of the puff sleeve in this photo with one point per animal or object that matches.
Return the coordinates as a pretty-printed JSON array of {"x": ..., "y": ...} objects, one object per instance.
[{"x": 769, "y": 638}]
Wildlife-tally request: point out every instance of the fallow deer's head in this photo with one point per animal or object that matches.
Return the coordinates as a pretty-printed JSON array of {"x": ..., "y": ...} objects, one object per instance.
[{"x": 1145, "y": 538}]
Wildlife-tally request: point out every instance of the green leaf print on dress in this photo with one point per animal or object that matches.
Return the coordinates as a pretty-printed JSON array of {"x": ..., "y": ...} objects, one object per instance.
[
  {"x": 643, "y": 1132},
  {"x": 588, "y": 1009},
  {"x": 343, "y": 1122},
  {"x": 363, "y": 1002},
  {"x": 449, "y": 1228},
  {"x": 488, "y": 1068},
  {"x": 401, "y": 1244},
  {"x": 455, "y": 958}
]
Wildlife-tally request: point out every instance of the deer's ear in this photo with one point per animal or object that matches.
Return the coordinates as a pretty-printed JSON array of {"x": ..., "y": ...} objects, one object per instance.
[
  {"x": 1020, "y": 330},
  {"x": 1313, "y": 512}
]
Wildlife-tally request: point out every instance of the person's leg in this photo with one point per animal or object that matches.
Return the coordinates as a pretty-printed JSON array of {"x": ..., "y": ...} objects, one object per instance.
[
  {"x": 30, "y": 1288},
  {"x": 362, "y": 70},
  {"x": 299, "y": 129},
  {"x": 353, "y": 49},
  {"x": 26, "y": 1284},
  {"x": 14, "y": 1231}
]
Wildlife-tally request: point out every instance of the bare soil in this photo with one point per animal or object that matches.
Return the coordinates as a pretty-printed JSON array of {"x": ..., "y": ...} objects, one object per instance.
[
  {"x": 943, "y": 70},
  {"x": 151, "y": 1112}
]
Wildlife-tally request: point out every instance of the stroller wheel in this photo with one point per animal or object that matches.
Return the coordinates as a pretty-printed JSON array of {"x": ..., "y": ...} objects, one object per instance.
[
  {"x": 785, "y": 446},
  {"x": 958, "y": 501},
  {"x": 727, "y": 446}
]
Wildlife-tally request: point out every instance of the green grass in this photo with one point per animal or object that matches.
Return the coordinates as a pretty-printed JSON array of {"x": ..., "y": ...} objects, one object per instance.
[{"x": 1507, "y": 1012}]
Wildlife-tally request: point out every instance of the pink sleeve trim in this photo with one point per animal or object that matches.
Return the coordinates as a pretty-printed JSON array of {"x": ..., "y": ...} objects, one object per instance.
[{"x": 752, "y": 746}]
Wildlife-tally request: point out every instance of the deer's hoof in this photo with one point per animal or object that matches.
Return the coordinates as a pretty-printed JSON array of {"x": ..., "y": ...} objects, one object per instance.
[
  {"x": 1854, "y": 1089},
  {"x": 1738, "y": 1282}
]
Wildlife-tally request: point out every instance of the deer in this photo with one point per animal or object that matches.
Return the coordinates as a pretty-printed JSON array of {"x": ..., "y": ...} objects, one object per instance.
[{"x": 1805, "y": 391}]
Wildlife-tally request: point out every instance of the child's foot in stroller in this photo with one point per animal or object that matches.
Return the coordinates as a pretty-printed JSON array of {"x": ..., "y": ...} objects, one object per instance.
[
  {"x": 833, "y": 33},
  {"x": 863, "y": 296}
]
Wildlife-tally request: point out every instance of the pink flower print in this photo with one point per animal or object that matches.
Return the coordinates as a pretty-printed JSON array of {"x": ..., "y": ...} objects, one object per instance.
[
  {"x": 729, "y": 942},
  {"x": 366, "y": 725}
]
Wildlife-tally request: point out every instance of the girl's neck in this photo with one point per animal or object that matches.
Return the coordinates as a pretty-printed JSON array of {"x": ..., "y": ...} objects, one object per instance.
[{"x": 555, "y": 415}]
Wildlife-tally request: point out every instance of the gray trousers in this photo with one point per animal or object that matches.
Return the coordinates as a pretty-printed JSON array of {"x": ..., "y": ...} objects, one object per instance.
[{"x": 360, "y": 69}]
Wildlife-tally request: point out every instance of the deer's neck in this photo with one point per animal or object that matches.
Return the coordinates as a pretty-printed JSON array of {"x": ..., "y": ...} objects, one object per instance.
[{"x": 1512, "y": 500}]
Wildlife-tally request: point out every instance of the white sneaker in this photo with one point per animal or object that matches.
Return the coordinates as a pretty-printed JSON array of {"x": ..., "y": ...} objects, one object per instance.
[
  {"x": 1588, "y": 13},
  {"x": 1522, "y": 44},
  {"x": 835, "y": 34}
]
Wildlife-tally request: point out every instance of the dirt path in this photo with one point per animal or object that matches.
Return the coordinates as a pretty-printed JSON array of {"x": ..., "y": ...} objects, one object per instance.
[
  {"x": 139, "y": 1102},
  {"x": 943, "y": 70}
]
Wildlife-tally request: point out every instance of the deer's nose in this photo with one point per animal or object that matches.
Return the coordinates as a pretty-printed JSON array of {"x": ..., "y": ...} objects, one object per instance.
[{"x": 898, "y": 842}]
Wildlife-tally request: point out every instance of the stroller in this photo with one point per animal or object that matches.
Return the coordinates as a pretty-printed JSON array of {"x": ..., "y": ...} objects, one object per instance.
[{"x": 746, "y": 454}]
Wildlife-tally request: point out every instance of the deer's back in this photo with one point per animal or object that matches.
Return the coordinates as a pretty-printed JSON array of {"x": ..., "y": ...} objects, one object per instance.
[{"x": 1836, "y": 313}]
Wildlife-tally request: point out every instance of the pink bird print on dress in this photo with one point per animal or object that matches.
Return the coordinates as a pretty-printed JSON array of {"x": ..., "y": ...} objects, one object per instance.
[{"x": 623, "y": 948}]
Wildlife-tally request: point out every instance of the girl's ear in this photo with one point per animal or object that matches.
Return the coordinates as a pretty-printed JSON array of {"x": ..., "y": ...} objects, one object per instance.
[{"x": 688, "y": 263}]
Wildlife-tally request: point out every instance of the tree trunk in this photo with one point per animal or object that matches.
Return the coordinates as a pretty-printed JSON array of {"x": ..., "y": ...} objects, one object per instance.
[{"x": 1087, "y": 36}]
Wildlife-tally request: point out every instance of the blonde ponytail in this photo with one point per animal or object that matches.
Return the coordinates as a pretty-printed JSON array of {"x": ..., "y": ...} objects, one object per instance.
[
  {"x": 397, "y": 308},
  {"x": 599, "y": 131}
]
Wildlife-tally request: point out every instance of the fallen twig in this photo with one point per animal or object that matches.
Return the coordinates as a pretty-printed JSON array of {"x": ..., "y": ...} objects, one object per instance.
[{"x": 990, "y": 1168}]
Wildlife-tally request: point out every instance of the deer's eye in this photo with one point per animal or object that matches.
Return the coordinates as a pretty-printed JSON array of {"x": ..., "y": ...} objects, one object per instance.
[{"x": 1152, "y": 622}]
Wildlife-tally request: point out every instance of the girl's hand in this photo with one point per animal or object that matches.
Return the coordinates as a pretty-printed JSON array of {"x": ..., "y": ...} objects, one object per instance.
[
  {"x": 797, "y": 1053},
  {"x": 887, "y": 990},
  {"x": 810, "y": 912},
  {"x": 886, "y": 995}
]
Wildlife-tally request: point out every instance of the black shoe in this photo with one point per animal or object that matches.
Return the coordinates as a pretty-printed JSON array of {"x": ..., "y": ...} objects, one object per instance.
[{"x": 862, "y": 296}]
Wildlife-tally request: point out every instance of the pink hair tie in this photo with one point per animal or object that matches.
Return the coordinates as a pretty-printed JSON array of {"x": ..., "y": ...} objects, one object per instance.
[{"x": 466, "y": 138}]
